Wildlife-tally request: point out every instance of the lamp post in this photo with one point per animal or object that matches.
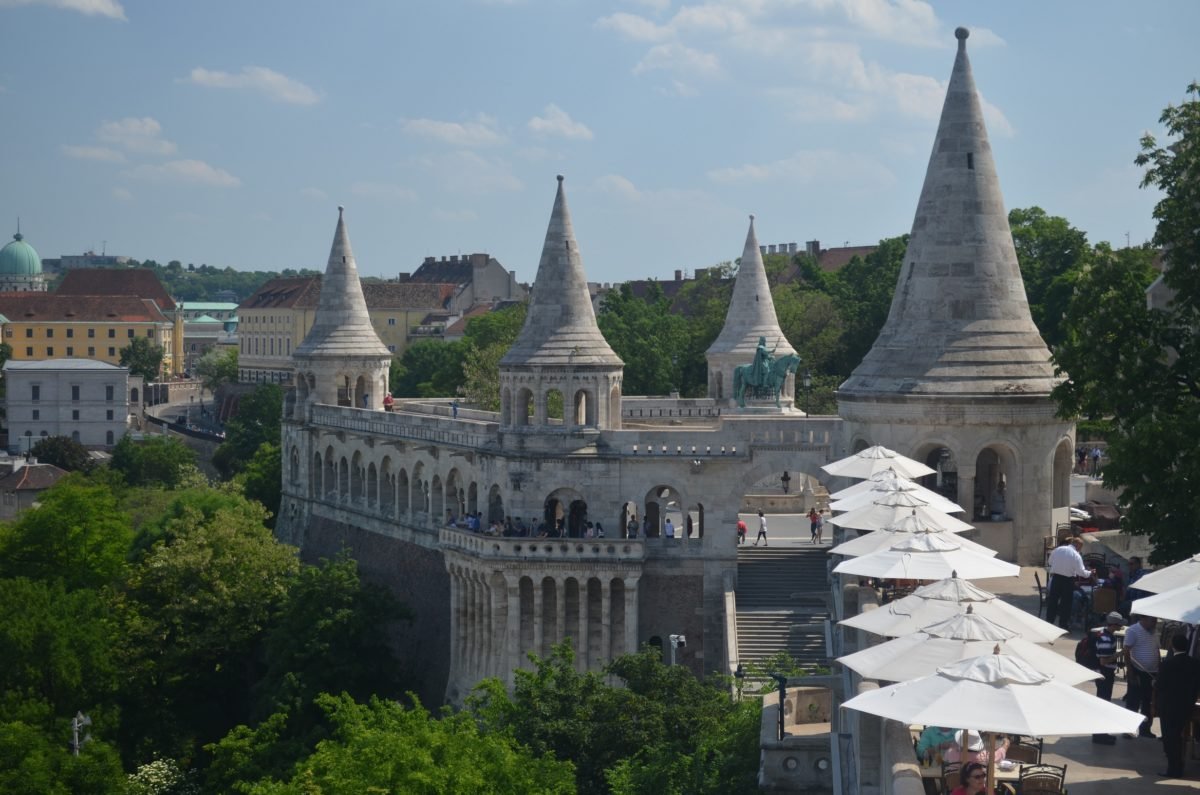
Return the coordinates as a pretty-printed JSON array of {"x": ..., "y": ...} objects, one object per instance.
[
  {"x": 78, "y": 722},
  {"x": 806, "y": 381},
  {"x": 785, "y": 481},
  {"x": 677, "y": 641},
  {"x": 782, "y": 681}
]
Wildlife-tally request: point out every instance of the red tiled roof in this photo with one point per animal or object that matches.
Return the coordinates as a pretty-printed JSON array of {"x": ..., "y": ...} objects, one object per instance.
[
  {"x": 56, "y": 307},
  {"x": 116, "y": 281},
  {"x": 304, "y": 292},
  {"x": 458, "y": 327},
  {"x": 32, "y": 477}
]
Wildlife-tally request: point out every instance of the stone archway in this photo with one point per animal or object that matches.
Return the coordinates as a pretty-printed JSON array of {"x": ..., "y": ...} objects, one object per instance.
[
  {"x": 661, "y": 502},
  {"x": 1064, "y": 463},
  {"x": 994, "y": 468},
  {"x": 495, "y": 505},
  {"x": 565, "y": 513}
]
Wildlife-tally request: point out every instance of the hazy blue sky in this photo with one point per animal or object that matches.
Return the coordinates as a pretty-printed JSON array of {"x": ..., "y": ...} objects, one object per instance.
[{"x": 228, "y": 132}]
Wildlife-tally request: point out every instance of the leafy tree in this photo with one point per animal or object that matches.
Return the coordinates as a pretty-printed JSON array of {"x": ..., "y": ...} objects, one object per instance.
[
  {"x": 217, "y": 367},
  {"x": 76, "y": 534},
  {"x": 383, "y": 747},
  {"x": 1049, "y": 251},
  {"x": 647, "y": 336},
  {"x": 143, "y": 358},
  {"x": 259, "y": 419},
  {"x": 155, "y": 461},
  {"x": 63, "y": 452},
  {"x": 262, "y": 479},
  {"x": 489, "y": 336},
  {"x": 35, "y": 761},
  {"x": 1137, "y": 367},
  {"x": 429, "y": 368}
]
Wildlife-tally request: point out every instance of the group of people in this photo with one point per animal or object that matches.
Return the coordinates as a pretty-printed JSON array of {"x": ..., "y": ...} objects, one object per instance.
[
  {"x": 816, "y": 522},
  {"x": 1085, "y": 456},
  {"x": 518, "y": 528},
  {"x": 938, "y": 744}
]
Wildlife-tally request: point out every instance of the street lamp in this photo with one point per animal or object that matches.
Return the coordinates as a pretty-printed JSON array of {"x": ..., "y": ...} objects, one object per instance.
[
  {"x": 786, "y": 481},
  {"x": 782, "y": 682},
  {"x": 806, "y": 381},
  {"x": 677, "y": 642},
  {"x": 78, "y": 722}
]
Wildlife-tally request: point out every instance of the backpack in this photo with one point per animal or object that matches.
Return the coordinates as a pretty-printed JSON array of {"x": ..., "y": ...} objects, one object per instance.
[{"x": 1085, "y": 652}]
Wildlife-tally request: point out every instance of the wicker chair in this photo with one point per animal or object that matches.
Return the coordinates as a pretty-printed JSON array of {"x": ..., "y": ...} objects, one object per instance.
[
  {"x": 1104, "y": 601},
  {"x": 1042, "y": 780},
  {"x": 1024, "y": 753},
  {"x": 1096, "y": 560},
  {"x": 951, "y": 775}
]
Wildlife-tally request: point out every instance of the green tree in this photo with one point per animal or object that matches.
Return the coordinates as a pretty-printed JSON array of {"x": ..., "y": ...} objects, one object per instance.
[
  {"x": 32, "y": 760},
  {"x": 143, "y": 358},
  {"x": 489, "y": 337},
  {"x": 429, "y": 368},
  {"x": 647, "y": 336},
  {"x": 155, "y": 461},
  {"x": 1137, "y": 367},
  {"x": 259, "y": 419},
  {"x": 1049, "y": 251},
  {"x": 262, "y": 479},
  {"x": 63, "y": 452},
  {"x": 76, "y": 534},
  {"x": 217, "y": 367},
  {"x": 382, "y": 746}
]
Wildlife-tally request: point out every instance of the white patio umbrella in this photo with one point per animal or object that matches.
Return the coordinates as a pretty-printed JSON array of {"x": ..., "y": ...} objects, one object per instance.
[
  {"x": 891, "y": 508},
  {"x": 997, "y": 693},
  {"x": 867, "y": 462},
  {"x": 888, "y": 489},
  {"x": 886, "y": 538},
  {"x": 1185, "y": 572},
  {"x": 958, "y": 638},
  {"x": 884, "y": 482},
  {"x": 1179, "y": 604},
  {"x": 927, "y": 557},
  {"x": 945, "y": 599}
]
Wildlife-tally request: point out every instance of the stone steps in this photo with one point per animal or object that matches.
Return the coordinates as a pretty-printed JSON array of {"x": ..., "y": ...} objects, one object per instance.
[{"x": 782, "y": 603}]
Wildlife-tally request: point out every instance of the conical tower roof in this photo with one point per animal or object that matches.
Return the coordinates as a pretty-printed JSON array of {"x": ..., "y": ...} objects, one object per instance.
[
  {"x": 341, "y": 327},
  {"x": 959, "y": 322},
  {"x": 751, "y": 309},
  {"x": 560, "y": 325}
]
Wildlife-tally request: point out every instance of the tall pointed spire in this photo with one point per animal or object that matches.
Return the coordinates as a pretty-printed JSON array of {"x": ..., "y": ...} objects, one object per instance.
[
  {"x": 341, "y": 327},
  {"x": 751, "y": 308},
  {"x": 959, "y": 322},
  {"x": 560, "y": 325}
]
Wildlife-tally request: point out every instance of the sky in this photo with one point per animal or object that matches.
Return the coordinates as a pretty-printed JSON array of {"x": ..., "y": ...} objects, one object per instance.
[{"x": 227, "y": 133}]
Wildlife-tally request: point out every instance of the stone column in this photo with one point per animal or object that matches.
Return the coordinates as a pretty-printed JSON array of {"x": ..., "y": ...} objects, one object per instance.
[
  {"x": 582, "y": 658},
  {"x": 560, "y": 604},
  {"x": 538, "y": 629},
  {"x": 512, "y": 629},
  {"x": 605, "y": 621},
  {"x": 631, "y": 616},
  {"x": 455, "y": 622}
]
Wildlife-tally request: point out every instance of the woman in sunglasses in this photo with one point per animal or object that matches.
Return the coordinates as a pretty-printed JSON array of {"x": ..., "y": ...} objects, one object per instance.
[{"x": 974, "y": 780}]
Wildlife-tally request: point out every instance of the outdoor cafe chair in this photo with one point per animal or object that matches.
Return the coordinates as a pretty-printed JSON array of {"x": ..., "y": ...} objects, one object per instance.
[
  {"x": 1024, "y": 753},
  {"x": 1042, "y": 780},
  {"x": 951, "y": 775},
  {"x": 1104, "y": 601}
]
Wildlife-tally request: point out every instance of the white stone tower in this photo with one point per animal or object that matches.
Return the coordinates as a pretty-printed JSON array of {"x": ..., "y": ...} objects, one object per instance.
[
  {"x": 751, "y": 315},
  {"x": 560, "y": 350},
  {"x": 342, "y": 360},
  {"x": 959, "y": 376}
]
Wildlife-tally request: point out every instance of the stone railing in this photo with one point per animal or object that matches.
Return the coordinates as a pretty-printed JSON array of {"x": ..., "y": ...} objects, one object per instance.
[
  {"x": 403, "y": 425},
  {"x": 550, "y": 550}
]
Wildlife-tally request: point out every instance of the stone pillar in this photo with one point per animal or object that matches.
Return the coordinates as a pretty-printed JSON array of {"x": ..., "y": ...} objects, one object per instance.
[
  {"x": 605, "y": 621},
  {"x": 560, "y": 605},
  {"x": 582, "y": 657},
  {"x": 455, "y": 622},
  {"x": 538, "y": 629},
  {"x": 631, "y": 616},
  {"x": 513, "y": 629}
]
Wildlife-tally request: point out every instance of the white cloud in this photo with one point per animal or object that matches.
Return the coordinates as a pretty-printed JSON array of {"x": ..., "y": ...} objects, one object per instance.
[
  {"x": 193, "y": 172},
  {"x": 123, "y": 194},
  {"x": 268, "y": 82},
  {"x": 101, "y": 153},
  {"x": 316, "y": 194},
  {"x": 143, "y": 136},
  {"x": 383, "y": 190},
  {"x": 616, "y": 185},
  {"x": 556, "y": 121},
  {"x": 985, "y": 37},
  {"x": 654, "y": 5},
  {"x": 905, "y": 21},
  {"x": 634, "y": 28},
  {"x": 92, "y": 8},
  {"x": 482, "y": 131},
  {"x": 710, "y": 18},
  {"x": 675, "y": 57},
  {"x": 997, "y": 122}
]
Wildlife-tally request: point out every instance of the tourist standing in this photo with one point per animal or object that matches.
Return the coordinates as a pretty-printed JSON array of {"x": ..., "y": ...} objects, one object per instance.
[
  {"x": 1177, "y": 687},
  {"x": 1141, "y": 666},
  {"x": 762, "y": 530},
  {"x": 1096, "y": 453},
  {"x": 1065, "y": 565},
  {"x": 1106, "y": 658},
  {"x": 741, "y": 532},
  {"x": 668, "y": 528},
  {"x": 814, "y": 520}
]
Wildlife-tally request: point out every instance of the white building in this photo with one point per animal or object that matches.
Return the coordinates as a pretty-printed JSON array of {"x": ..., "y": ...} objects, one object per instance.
[{"x": 85, "y": 400}]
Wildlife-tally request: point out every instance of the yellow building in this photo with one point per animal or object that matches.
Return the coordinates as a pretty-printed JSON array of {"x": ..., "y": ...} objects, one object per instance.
[
  {"x": 275, "y": 320},
  {"x": 54, "y": 326}
]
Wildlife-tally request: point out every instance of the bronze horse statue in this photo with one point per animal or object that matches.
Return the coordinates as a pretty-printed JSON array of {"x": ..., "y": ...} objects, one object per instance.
[{"x": 776, "y": 376}]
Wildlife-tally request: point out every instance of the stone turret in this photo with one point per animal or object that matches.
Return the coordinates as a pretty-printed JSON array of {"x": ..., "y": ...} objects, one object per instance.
[
  {"x": 342, "y": 360},
  {"x": 959, "y": 376},
  {"x": 751, "y": 315},
  {"x": 560, "y": 348}
]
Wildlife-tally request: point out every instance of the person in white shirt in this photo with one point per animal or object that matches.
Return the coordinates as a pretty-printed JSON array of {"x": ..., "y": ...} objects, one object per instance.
[
  {"x": 1065, "y": 565},
  {"x": 762, "y": 530},
  {"x": 1141, "y": 664}
]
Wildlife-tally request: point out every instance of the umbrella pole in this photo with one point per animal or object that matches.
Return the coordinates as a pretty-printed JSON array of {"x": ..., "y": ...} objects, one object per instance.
[{"x": 991, "y": 765}]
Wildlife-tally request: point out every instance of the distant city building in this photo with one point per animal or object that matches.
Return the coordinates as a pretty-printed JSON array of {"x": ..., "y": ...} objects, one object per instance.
[
  {"x": 20, "y": 267},
  {"x": 40, "y": 326},
  {"x": 275, "y": 320},
  {"x": 479, "y": 279},
  {"x": 22, "y": 483},
  {"x": 217, "y": 310},
  {"x": 87, "y": 401},
  {"x": 88, "y": 259}
]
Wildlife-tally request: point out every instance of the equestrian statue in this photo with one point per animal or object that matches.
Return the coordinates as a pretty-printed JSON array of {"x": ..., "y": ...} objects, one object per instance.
[{"x": 764, "y": 376}]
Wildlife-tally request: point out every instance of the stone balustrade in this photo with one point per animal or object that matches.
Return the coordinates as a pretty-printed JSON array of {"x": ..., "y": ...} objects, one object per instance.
[{"x": 551, "y": 550}]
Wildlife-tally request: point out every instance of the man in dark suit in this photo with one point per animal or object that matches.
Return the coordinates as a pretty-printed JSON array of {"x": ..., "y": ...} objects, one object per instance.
[{"x": 1177, "y": 685}]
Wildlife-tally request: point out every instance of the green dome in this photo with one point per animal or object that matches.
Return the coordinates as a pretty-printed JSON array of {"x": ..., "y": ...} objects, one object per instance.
[{"x": 19, "y": 259}]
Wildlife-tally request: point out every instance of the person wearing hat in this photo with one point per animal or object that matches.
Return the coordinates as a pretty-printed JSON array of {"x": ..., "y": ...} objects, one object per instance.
[
  {"x": 1106, "y": 653},
  {"x": 1065, "y": 565},
  {"x": 969, "y": 748}
]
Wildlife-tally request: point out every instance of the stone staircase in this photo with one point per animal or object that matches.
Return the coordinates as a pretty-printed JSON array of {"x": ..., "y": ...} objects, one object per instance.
[{"x": 782, "y": 603}]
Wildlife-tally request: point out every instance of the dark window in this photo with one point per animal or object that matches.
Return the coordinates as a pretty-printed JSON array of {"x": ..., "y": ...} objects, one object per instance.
[
  {"x": 91, "y": 333},
  {"x": 149, "y": 332},
  {"x": 108, "y": 438},
  {"x": 112, "y": 351},
  {"x": 70, "y": 333},
  {"x": 50, "y": 351},
  {"x": 129, "y": 333},
  {"x": 36, "y": 391},
  {"x": 29, "y": 352},
  {"x": 49, "y": 333},
  {"x": 29, "y": 333},
  {"x": 37, "y": 415},
  {"x": 109, "y": 414},
  {"x": 91, "y": 351},
  {"x": 70, "y": 351},
  {"x": 74, "y": 414},
  {"x": 108, "y": 392},
  {"x": 971, "y": 161},
  {"x": 112, "y": 332},
  {"x": 74, "y": 391}
]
